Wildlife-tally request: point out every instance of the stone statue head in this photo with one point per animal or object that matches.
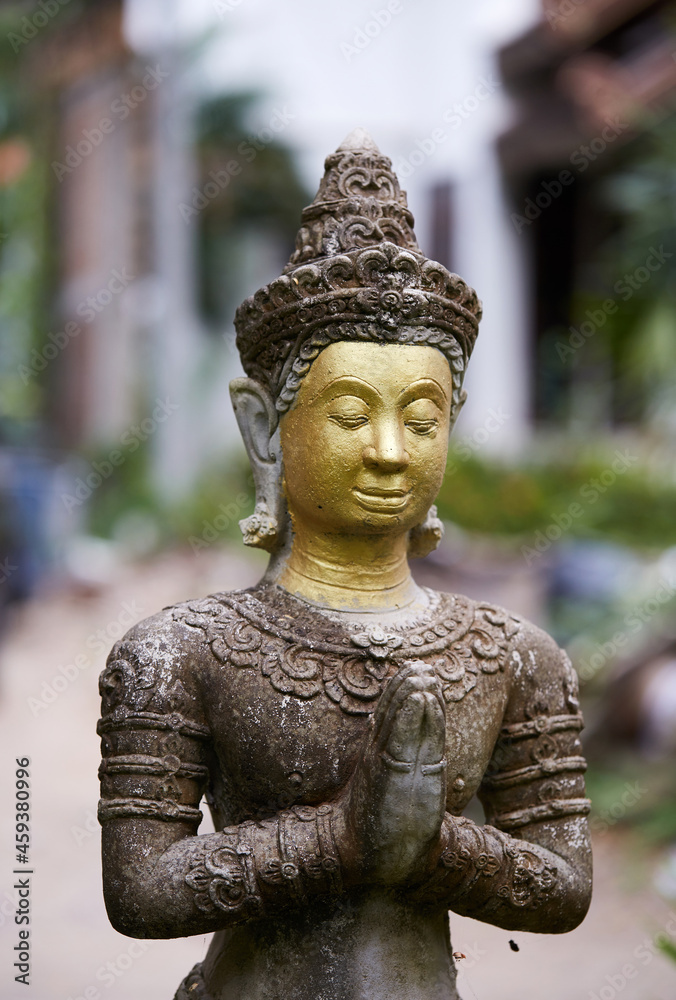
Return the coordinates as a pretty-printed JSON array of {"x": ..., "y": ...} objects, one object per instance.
[{"x": 357, "y": 293}]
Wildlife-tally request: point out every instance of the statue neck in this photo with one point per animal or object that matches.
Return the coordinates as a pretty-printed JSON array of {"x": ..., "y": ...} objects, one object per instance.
[{"x": 349, "y": 574}]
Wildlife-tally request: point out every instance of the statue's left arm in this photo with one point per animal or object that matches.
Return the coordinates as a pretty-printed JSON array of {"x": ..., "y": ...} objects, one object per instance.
[{"x": 530, "y": 867}]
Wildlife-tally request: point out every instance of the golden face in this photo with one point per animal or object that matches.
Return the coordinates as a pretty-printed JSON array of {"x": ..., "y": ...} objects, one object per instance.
[{"x": 365, "y": 444}]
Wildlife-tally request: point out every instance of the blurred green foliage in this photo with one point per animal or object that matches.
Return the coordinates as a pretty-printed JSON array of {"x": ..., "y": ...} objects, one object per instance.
[
  {"x": 667, "y": 947},
  {"x": 28, "y": 251},
  {"x": 632, "y": 792},
  {"x": 130, "y": 491},
  {"x": 23, "y": 244},
  {"x": 639, "y": 336},
  {"x": 493, "y": 498},
  {"x": 266, "y": 195},
  {"x": 215, "y": 506}
]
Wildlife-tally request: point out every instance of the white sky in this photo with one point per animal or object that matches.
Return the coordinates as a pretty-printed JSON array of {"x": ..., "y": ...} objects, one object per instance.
[{"x": 432, "y": 54}]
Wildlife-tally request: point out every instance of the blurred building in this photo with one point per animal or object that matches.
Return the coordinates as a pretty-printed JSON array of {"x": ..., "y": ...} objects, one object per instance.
[
  {"x": 500, "y": 140},
  {"x": 587, "y": 81},
  {"x": 139, "y": 219},
  {"x": 477, "y": 115},
  {"x": 121, "y": 164}
]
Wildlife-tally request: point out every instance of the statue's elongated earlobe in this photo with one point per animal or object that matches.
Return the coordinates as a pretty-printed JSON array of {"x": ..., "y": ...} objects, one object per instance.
[
  {"x": 257, "y": 419},
  {"x": 425, "y": 537}
]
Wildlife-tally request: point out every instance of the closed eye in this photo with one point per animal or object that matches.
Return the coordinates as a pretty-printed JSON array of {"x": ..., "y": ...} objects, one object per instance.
[
  {"x": 349, "y": 421},
  {"x": 422, "y": 426}
]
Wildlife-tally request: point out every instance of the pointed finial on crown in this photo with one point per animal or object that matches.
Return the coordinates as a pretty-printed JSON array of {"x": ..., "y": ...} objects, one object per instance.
[
  {"x": 359, "y": 204},
  {"x": 358, "y": 140}
]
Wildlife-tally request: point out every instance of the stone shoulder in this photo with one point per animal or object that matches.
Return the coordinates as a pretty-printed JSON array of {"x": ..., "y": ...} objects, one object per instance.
[
  {"x": 543, "y": 681},
  {"x": 154, "y": 669}
]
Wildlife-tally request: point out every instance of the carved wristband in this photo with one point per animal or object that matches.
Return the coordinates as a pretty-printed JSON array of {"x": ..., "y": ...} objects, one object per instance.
[{"x": 272, "y": 864}]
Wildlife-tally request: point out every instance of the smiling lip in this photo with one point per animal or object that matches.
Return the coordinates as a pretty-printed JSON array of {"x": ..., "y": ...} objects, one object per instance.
[{"x": 381, "y": 499}]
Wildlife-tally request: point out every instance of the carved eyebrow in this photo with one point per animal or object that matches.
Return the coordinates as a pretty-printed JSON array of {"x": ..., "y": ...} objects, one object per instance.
[
  {"x": 351, "y": 385},
  {"x": 425, "y": 387}
]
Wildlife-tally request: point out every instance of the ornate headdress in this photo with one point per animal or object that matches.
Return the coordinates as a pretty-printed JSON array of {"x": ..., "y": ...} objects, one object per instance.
[{"x": 357, "y": 273}]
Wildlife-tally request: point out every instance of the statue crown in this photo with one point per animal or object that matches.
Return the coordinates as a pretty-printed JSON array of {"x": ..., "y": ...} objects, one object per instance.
[{"x": 357, "y": 273}]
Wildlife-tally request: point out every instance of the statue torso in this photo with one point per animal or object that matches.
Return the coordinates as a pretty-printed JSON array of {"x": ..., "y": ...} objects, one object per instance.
[
  {"x": 279, "y": 695},
  {"x": 288, "y": 692}
]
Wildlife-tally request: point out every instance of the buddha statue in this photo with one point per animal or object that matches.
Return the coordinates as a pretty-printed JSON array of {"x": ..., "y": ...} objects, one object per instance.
[{"x": 337, "y": 717}]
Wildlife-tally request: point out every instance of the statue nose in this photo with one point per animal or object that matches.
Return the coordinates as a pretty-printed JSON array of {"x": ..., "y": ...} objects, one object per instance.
[{"x": 387, "y": 452}]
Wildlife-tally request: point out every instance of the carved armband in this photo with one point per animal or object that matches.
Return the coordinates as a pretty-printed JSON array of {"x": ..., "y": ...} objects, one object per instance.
[
  {"x": 151, "y": 770},
  {"x": 153, "y": 747},
  {"x": 274, "y": 864},
  {"x": 540, "y": 773}
]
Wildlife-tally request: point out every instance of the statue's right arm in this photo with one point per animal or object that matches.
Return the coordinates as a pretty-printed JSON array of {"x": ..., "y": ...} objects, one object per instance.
[{"x": 162, "y": 879}]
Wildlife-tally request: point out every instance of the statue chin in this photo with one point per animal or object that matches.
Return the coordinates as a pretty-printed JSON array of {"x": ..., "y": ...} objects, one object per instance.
[{"x": 337, "y": 718}]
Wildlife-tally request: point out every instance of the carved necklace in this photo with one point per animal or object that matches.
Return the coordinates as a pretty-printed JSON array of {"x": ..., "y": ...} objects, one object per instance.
[{"x": 304, "y": 651}]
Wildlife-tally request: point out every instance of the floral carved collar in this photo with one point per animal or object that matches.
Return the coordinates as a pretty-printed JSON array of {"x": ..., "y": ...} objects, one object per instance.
[{"x": 304, "y": 651}]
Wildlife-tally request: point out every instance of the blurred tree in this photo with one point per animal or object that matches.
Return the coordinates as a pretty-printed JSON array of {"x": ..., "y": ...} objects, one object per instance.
[
  {"x": 641, "y": 194},
  {"x": 265, "y": 196},
  {"x": 22, "y": 232},
  {"x": 28, "y": 274}
]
